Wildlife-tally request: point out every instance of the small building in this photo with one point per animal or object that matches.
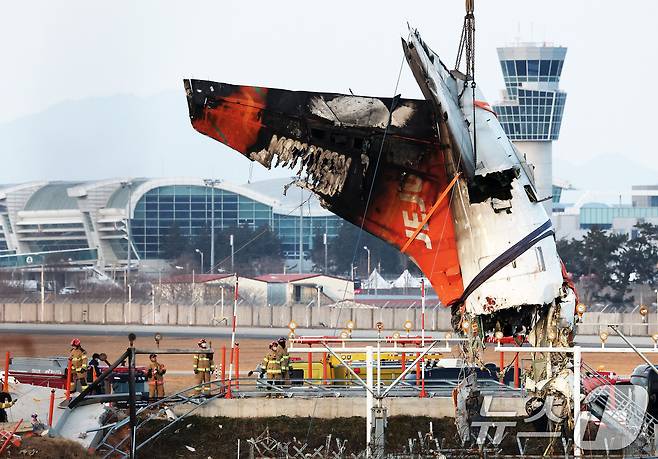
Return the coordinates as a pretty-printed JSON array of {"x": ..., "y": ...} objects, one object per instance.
[
  {"x": 297, "y": 288},
  {"x": 195, "y": 289}
]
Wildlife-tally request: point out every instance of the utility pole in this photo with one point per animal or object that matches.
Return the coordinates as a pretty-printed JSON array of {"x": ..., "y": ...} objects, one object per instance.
[
  {"x": 232, "y": 252},
  {"x": 200, "y": 253},
  {"x": 324, "y": 239},
  {"x": 365, "y": 247},
  {"x": 129, "y": 185},
  {"x": 211, "y": 183},
  {"x": 43, "y": 294},
  {"x": 301, "y": 228}
]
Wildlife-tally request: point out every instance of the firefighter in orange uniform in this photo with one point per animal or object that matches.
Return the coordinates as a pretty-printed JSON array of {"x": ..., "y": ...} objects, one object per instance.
[
  {"x": 203, "y": 368},
  {"x": 155, "y": 376},
  {"x": 78, "y": 357}
]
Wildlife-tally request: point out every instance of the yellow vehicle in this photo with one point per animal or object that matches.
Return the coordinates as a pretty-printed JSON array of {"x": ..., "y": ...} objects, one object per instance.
[{"x": 334, "y": 372}]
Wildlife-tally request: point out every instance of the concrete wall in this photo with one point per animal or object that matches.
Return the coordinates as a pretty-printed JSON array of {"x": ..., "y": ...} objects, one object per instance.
[
  {"x": 277, "y": 316},
  {"x": 441, "y": 407}
]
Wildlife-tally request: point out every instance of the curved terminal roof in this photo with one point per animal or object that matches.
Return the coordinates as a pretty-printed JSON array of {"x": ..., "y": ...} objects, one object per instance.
[
  {"x": 64, "y": 195},
  {"x": 119, "y": 198},
  {"x": 52, "y": 196}
]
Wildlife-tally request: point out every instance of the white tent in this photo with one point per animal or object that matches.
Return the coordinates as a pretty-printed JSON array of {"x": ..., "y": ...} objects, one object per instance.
[
  {"x": 406, "y": 280},
  {"x": 376, "y": 281}
]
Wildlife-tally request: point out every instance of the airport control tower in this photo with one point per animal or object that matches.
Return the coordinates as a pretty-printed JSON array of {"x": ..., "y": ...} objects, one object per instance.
[{"x": 532, "y": 105}]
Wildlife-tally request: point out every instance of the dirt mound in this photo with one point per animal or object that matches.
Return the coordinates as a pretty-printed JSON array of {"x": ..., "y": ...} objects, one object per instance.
[{"x": 49, "y": 448}]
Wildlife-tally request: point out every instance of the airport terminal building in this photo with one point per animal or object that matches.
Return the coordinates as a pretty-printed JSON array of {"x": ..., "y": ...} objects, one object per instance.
[{"x": 85, "y": 223}]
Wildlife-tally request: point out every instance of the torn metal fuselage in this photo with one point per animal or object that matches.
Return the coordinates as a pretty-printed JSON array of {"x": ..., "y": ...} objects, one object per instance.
[{"x": 488, "y": 248}]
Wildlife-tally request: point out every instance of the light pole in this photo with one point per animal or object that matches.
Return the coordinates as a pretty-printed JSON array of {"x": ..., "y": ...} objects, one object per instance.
[
  {"x": 211, "y": 183},
  {"x": 301, "y": 228},
  {"x": 232, "y": 252},
  {"x": 324, "y": 239},
  {"x": 200, "y": 253},
  {"x": 129, "y": 185},
  {"x": 365, "y": 247}
]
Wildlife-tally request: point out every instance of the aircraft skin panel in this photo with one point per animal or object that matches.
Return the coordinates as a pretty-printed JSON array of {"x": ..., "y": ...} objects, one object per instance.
[{"x": 334, "y": 141}]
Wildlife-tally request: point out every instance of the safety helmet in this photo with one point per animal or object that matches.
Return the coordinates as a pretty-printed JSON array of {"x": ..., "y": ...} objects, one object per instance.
[
  {"x": 202, "y": 342},
  {"x": 152, "y": 356},
  {"x": 282, "y": 339},
  {"x": 75, "y": 342},
  {"x": 35, "y": 415}
]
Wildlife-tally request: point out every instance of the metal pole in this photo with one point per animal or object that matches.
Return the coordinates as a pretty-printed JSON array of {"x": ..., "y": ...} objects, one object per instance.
[
  {"x": 132, "y": 397},
  {"x": 235, "y": 314},
  {"x": 130, "y": 304},
  {"x": 212, "y": 226},
  {"x": 301, "y": 228},
  {"x": 379, "y": 367},
  {"x": 365, "y": 247},
  {"x": 422, "y": 336},
  {"x": 223, "y": 372},
  {"x": 5, "y": 383},
  {"x": 232, "y": 253},
  {"x": 369, "y": 400},
  {"x": 325, "y": 252},
  {"x": 153, "y": 302},
  {"x": 576, "y": 398},
  {"x": 128, "y": 229},
  {"x": 43, "y": 295},
  {"x": 637, "y": 351},
  {"x": 51, "y": 407}
]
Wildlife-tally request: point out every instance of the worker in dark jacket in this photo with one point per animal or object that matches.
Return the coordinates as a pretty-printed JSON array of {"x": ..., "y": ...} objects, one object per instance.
[
  {"x": 5, "y": 403},
  {"x": 93, "y": 372}
]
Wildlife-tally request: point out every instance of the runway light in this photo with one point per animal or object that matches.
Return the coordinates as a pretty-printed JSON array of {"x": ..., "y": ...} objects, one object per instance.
[
  {"x": 380, "y": 326},
  {"x": 654, "y": 337},
  {"x": 396, "y": 335},
  {"x": 448, "y": 336},
  {"x": 644, "y": 310},
  {"x": 291, "y": 335},
  {"x": 580, "y": 309},
  {"x": 498, "y": 335},
  {"x": 552, "y": 335},
  {"x": 350, "y": 325},
  {"x": 344, "y": 334},
  {"x": 466, "y": 325},
  {"x": 292, "y": 325},
  {"x": 600, "y": 368},
  {"x": 603, "y": 336},
  {"x": 408, "y": 325}
]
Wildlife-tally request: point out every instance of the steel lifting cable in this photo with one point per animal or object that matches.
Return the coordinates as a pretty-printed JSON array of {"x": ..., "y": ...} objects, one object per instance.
[{"x": 372, "y": 184}]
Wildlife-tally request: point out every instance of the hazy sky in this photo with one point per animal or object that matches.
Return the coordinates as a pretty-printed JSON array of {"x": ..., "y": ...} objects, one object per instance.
[{"x": 58, "y": 51}]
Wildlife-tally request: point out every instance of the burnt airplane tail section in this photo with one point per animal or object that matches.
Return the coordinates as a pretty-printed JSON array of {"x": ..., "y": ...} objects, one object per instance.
[{"x": 372, "y": 161}]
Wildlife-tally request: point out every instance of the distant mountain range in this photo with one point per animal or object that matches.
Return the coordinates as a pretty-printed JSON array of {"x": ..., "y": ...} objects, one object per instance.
[
  {"x": 117, "y": 136},
  {"x": 125, "y": 135},
  {"x": 606, "y": 172}
]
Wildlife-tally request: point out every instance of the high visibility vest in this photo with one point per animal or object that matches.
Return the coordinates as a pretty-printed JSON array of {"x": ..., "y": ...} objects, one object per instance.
[
  {"x": 5, "y": 405},
  {"x": 78, "y": 360},
  {"x": 271, "y": 363},
  {"x": 284, "y": 358},
  {"x": 203, "y": 363}
]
